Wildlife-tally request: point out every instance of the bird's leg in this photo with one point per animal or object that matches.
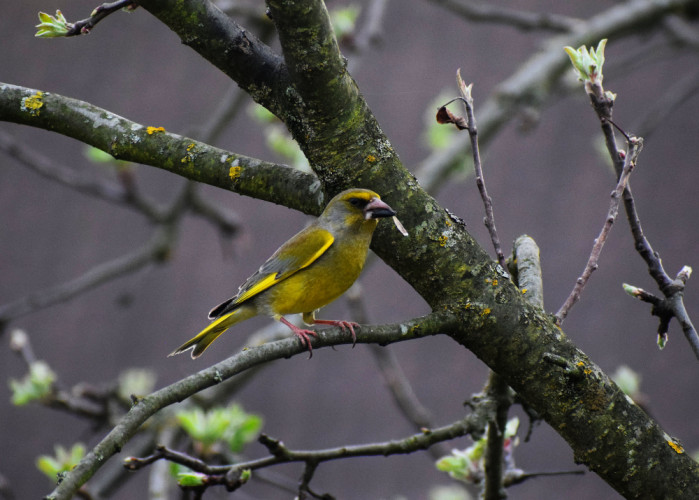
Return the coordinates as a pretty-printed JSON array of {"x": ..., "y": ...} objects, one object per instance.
[
  {"x": 342, "y": 324},
  {"x": 301, "y": 333}
]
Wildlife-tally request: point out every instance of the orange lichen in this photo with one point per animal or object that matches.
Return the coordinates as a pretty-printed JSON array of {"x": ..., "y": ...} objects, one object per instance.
[
  {"x": 189, "y": 156},
  {"x": 33, "y": 103},
  {"x": 153, "y": 130},
  {"x": 443, "y": 240},
  {"x": 371, "y": 158},
  {"x": 234, "y": 172},
  {"x": 678, "y": 449}
]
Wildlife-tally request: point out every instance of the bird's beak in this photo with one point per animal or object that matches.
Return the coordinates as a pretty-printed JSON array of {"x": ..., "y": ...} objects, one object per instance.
[{"x": 377, "y": 209}]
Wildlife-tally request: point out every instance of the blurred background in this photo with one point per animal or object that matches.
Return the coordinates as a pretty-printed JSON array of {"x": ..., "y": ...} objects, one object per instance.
[{"x": 544, "y": 171}]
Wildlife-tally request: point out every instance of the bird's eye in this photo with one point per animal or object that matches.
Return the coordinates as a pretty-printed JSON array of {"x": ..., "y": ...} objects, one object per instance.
[{"x": 358, "y": 202}]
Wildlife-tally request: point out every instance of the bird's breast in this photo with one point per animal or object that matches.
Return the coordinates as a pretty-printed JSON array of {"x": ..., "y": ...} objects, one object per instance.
[{"x": 318, "y": 284}]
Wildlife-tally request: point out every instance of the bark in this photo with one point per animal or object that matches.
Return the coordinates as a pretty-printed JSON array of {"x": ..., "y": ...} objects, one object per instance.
[{"x": 311, "y": 91}]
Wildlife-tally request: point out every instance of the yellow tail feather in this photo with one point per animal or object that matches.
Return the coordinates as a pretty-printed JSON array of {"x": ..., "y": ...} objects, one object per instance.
[{"x": 203, "y": 339}]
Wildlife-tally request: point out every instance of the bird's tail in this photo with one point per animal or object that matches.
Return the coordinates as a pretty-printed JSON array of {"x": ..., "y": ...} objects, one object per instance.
[{"x": 203, "y": 339}]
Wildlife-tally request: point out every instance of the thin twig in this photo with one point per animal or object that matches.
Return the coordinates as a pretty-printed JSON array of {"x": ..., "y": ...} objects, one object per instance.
[
  {"x": 102, "y": 189},
  {"x": 690, "y": 333},
  {"x": 81, "y": 401},
  {"x": 279, "y": 453},
  {"x": 84, "y": 26},
  {"x": 227, "y": 108},
  {"x": 660, "y": 109},
  {"x": 635, "y": 146},
  {"x": 20, "y": 343},
  {"x": 152, "y": 251},
  {"x": 673, "y": 304},
  {"x": 489, "y": 219},
  {"x": 519, "y": 477}
]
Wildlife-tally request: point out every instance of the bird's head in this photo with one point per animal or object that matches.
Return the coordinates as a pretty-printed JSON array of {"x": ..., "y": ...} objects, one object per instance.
[{"x": 356, "y": 208}]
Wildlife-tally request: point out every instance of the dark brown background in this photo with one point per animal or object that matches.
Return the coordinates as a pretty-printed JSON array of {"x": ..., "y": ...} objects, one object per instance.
[{"x": 548, "y": 183}]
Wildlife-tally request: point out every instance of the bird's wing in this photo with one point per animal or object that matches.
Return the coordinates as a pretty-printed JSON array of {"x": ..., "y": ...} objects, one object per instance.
[{"x": 299, "y": 252}]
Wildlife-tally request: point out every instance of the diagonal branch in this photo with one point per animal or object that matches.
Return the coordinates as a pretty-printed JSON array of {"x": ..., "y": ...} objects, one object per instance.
[
  {"x": 395, "y": 378},
  {"x": 635, "y": 145},
  {"x": 102, "y": 273},
  {"x": 131, "y": 141}
]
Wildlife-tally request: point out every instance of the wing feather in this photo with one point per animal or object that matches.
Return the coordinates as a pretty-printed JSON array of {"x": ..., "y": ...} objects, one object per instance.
[{"x": 299, "y": 252}]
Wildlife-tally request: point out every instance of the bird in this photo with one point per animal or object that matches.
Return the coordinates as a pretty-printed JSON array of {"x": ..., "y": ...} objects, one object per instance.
[{"x": 313, "y": 268}]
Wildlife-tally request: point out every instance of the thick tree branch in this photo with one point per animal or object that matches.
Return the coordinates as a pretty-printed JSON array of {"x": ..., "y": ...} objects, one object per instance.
[
  {"x": 131, "y": 141},
  {"x": 607, "y": 432},
  {"x": 529, "y": 280},
  {"x": 312, "y": 56}
]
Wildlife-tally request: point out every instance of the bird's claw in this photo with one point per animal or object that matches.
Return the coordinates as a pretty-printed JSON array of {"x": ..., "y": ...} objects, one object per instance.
[
  {"x": 303, "y": 337},
  {"x": 351, "y": 325}
]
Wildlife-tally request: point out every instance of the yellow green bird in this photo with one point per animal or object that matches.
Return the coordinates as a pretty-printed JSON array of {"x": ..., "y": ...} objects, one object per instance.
[{"x": 309, "y": 271}]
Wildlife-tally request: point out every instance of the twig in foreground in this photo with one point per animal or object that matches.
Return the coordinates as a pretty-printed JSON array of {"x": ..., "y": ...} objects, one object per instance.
[
  {"x": 469, "y": 123},
  {"x": 635, "y": 146},
  {"x": 589, "y": 65}
]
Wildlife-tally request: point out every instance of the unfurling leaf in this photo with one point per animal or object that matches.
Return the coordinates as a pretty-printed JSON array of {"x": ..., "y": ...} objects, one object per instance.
[
  {"x": 588, "y": 63},
  {"x": 51, "y": 26},
  {"x": 446, "y": 116},
  {"x": 63, "y": 461}
]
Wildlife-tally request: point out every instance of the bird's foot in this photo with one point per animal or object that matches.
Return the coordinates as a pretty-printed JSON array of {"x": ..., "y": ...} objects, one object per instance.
[
  {"x": 302, "y": 334},
  {"x": 351, "y": 325}
]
